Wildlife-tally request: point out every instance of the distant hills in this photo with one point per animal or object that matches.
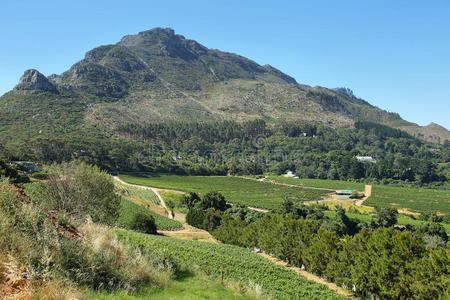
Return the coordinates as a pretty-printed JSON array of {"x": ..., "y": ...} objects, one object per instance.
[{"x": 158, "y": 76}]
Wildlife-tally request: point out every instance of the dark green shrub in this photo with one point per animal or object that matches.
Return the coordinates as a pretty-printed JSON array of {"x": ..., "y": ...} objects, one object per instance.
[
  {"x": 144, "y": 223},
  {"x": 212, "y": 219},
  {"x": 195, "y": 217}
]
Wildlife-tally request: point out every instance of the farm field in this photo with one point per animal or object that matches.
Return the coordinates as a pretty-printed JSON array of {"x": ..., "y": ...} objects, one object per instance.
[
  {"x": 236, "y": 190},
  {"x": 129, "y": 209},
  {"x": 413, "y": 199},
  {"x": 235, "y": 263},
  {"x": 402, "y": 219},
  {"x": 147, "y": 195},
  {"x": 319, "y": 183}
]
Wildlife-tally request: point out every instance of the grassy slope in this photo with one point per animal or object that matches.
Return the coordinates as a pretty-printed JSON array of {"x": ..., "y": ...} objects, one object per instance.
[
  {"x": 236, "y": 263},
  {"x": 187, "y": 288},
  {"x": 130, "y": 209},
  {"x": 235, "y": 190},
  {"x": 146, "y": 195}
]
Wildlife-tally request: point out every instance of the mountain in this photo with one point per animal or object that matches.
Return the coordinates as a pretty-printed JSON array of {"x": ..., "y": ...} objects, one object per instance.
[
  {"x": 432, "y": 132},
  {"x": 156, "y": 76}
]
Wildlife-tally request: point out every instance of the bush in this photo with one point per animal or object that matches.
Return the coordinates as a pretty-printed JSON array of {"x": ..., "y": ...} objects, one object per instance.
[
  {"x": 80, "y": 190},
  {"x": 212, "y": 219},
  {"x": 213, "y": 200},
  {"x": 7, "y": 171},
  {"x": 195, "y": 217},
  {"x": 144, "y": 223}
]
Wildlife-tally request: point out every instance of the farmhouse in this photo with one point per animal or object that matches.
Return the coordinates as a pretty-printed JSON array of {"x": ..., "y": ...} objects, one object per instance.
[{"x": 366, "y": 158}]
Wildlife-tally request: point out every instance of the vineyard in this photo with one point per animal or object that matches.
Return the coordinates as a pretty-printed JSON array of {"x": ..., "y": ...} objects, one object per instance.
[
  {"x": 413, "y": 199},
  {"x": 129, "y": 210},
  {"x": 319, "y": 183},
  {"x": 147, "y": 195},
  {"x": 236, "y": 190},
  {"x": 234, "y": 264},
  {"x": 402, "y": 219}
]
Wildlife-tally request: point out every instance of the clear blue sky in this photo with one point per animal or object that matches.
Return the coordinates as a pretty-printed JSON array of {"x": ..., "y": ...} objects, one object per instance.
[{"x": 395, "y": 54}]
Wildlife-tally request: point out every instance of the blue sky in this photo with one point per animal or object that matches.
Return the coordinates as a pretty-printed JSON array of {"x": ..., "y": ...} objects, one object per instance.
[{"x": 394, "y": 54}]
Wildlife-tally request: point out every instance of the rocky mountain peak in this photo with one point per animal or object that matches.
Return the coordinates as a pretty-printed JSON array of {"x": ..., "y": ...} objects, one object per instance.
[{"x": 34, "y": 80}]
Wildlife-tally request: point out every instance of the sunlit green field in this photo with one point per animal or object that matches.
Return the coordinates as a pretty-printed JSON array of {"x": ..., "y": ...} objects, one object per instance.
[
  {"x": 402, "y": 219},
  {"x": 319, "y": 183},
  {"x": 235, "y": 263},
  {"x": 129, "y": 210},
  {"x": 413, "y": 199},
  {"x": 236, "y": 190}
]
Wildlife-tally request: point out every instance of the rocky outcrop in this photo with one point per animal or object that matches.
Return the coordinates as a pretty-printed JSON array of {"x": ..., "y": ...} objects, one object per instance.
[{"x": 33, "y": 80}]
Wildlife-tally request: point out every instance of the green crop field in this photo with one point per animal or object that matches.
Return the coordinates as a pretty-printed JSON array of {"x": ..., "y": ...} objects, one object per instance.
[
  {"x": 319, "y": 183},
  {"x": 147, "y": 195},
  {"x": 129, "y": 210},
  {"x": 402, "y": 219},
  {"x": 235, "y": 263},
  {"x": 236, "y": 190},
  {"x": 413, "y": 199}
]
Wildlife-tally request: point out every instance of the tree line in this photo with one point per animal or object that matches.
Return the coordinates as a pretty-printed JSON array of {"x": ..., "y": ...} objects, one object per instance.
[{"x": 251, "y": 148}]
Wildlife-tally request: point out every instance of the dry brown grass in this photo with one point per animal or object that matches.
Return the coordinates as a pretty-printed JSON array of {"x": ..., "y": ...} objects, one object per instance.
[
  {"x": 133, "y": 265},
  {"x": 52, "y": 290}
]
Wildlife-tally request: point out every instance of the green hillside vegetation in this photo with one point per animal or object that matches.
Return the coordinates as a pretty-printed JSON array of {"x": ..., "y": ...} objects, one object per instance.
[
  {"x": 235, "y": 263},
  {"x": 130, "y": 210},
  {"x": 236, "y": 190},
  {"x": 187, "y": 287},
  {"x": 146, "y": 195}
]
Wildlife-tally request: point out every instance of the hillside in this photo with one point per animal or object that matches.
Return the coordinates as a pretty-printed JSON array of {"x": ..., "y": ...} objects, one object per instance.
[
  {"x": 157, "y": 75},
  {"x": 432, "y": 132}
]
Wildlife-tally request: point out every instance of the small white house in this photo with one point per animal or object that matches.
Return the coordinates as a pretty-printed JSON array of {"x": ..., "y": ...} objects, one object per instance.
[
  {"x": 290, "y": 174},
  {"x": 366, "y": 158}
]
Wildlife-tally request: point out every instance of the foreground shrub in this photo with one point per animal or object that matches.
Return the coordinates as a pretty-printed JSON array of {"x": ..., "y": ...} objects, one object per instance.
[
  {"x": 144, "y": 223},
  {"x": 80, "y": 190}
]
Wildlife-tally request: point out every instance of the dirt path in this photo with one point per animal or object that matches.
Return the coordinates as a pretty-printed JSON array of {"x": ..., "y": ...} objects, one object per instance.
[
  {"x": 310, "y": 276},
  {"x": 367, "y": 193},
  {"x": 189, "y": 233},
  {"x": 157, "y": 192}
]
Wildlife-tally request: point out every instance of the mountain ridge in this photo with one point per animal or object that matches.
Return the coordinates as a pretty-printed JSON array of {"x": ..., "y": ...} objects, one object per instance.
[{"x": 158, "y": 75}]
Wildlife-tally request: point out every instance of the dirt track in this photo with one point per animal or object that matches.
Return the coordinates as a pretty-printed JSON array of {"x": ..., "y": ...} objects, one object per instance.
[{"x": 310, "y": 276}]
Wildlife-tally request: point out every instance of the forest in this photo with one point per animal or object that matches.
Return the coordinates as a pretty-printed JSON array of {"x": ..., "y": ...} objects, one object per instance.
[{"x": 250, "y": 148}]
